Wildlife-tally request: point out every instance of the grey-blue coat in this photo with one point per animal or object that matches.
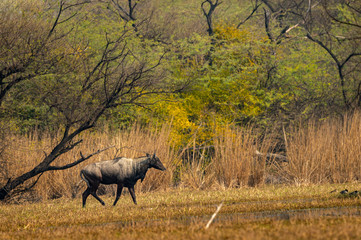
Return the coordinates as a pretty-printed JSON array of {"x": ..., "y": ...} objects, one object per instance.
[{"x": 124, "y": 172}]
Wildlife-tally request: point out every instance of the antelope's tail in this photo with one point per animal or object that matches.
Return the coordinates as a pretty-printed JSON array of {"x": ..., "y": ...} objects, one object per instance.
[{"x": 82, "y": 176}]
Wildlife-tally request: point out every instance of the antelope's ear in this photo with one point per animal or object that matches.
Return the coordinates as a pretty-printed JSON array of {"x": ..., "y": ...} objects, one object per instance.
[
  {"x": 148, "y": 155},
  {"x": 154, "y": 155}
]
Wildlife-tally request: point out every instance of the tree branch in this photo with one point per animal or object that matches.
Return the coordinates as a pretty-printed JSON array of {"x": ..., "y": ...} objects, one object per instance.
[
  {"x": 268, "y": 5},
  {"x": 29, "y": 187},
  {"x": 80, "y": 160},
  {"x": 349, "y": 58},
  {"x": 250, "y": 15},
  {"x": 339, "y": 67},
  {"x": 326, "y": 48},
  {"x": 341, "y": 21},
  {"x": 266, "y": 24}
]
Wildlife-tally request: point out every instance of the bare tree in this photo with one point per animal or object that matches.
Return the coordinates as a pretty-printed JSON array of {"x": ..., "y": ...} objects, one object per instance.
[
  {"x": 116, "y": 79},
  {"x": 30, "y": 44},
  {"x": 332, "y": 25},
  {"x": 281, "y": 17},
  {"x": 339, "y": 34},
  {"x": 208, "y": 13},
  {"x": 92, "y": 82}
]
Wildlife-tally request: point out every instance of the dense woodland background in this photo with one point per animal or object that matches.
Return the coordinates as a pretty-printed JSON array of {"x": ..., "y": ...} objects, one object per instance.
[{"x": 204, "y": 84}]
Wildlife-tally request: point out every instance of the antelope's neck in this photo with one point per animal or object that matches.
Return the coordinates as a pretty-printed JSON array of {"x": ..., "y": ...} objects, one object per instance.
[{"x": 142, "y": 166}]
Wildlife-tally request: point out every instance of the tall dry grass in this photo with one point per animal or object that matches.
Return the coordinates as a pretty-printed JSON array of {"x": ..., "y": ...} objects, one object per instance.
[
  {"x": 326, "y": 152},
  {"x": 234, "y": 163},
  {"x": 229, "y": 162},
  {"x": 318, "y": 152}
]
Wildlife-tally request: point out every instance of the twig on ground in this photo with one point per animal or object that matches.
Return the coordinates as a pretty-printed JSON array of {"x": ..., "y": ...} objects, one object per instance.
[{"x": 214, "y": 215}]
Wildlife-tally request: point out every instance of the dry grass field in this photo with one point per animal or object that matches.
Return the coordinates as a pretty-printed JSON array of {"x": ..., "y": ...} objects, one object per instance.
[{"x": 268, "y": 212}]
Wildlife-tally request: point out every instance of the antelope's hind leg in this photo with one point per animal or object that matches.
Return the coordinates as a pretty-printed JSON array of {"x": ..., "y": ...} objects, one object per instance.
[
  {"x": 85, "y": 195},
  {"x": 93, "y": 191},
  {"x": 119, "y": 192}
]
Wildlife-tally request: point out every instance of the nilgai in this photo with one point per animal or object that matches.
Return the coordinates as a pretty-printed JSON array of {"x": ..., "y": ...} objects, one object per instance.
[{"x": 124, "y": 172}]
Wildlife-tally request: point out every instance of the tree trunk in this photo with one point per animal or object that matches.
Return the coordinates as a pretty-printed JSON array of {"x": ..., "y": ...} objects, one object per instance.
[{"x": 12, "y": 184}]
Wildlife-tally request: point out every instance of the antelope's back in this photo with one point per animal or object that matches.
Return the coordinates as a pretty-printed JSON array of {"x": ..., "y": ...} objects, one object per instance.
[{"x": 117, "y": 169}]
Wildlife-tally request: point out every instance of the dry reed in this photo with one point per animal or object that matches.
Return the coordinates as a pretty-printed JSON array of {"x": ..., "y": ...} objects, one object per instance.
[
  {"x": 234, "y": 163},
  {"x": 326, "y": 152}
]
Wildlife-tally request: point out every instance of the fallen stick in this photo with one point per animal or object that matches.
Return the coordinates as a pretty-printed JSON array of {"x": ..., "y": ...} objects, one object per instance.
[{"x": 214, "y": 215}]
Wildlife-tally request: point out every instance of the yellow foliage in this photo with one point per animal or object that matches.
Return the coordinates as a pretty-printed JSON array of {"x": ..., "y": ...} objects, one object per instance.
[
  {"x": 231, "y": 33},
  {"x": 174, "y": 111}
]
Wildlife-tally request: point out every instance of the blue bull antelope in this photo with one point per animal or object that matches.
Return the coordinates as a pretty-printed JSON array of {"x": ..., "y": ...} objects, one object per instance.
[{"x": 124, "y": 172}]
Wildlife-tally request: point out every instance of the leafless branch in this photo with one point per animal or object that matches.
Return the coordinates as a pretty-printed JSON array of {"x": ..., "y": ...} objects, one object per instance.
[
  {"x": 338, "y": 20},
  {"x": 27, "y": 188},
  {"x": 267, "y": 23},
  {"x": 80, "y": 160},
  {"x": 255, "y": 7},
  {"x": 268, "y": 5}
]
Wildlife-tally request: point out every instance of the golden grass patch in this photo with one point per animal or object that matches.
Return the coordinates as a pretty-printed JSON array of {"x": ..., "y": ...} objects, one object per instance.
[{"x": 267, "y": 212}]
